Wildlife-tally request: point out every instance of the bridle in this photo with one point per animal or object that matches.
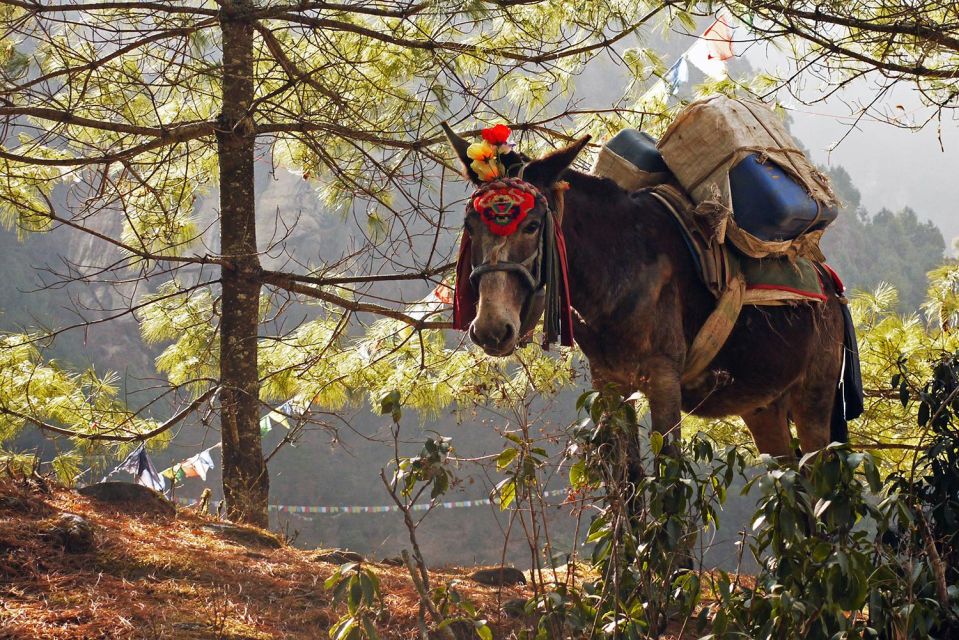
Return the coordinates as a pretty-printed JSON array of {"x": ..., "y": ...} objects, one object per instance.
[{"x": 532, "y": 271}]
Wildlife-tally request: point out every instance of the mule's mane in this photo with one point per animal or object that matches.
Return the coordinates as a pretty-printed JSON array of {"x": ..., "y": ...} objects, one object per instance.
[
  {"x": 587, "y": 190},
  {"x": 590, "y": 185}
]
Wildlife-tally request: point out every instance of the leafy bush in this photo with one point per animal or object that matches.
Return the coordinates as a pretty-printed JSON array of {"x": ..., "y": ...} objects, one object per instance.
[
  {"x": 842, "y": 552},
  {"x": 825, "y": 569},
  {"x": 655, "y": 501},
  {"x": 359, "y": 588}
]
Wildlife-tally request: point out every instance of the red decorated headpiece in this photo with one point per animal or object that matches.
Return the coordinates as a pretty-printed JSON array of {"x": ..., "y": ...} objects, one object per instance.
[{"x": 504, "y": 205}]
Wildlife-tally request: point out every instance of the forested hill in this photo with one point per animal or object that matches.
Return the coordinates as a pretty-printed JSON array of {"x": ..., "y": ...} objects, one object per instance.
[{"x": 898, "y": 248}]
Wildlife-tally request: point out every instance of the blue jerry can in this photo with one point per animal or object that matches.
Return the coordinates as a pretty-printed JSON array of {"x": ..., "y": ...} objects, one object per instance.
[
  {"x": 770, "y": 205},
  {"x": 639, "y": 148}
]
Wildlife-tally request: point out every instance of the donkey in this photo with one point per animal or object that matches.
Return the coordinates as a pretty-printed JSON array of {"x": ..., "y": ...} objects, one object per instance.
[{"x": 638, "y": 303}]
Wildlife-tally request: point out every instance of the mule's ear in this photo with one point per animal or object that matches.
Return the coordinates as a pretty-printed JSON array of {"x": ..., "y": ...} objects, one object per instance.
[
  {"x": 459, "y": 146},
  {"x": 547, "y": 170}
]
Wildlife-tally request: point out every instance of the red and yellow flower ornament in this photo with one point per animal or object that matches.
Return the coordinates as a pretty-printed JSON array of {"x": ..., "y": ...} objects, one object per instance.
[
  {"x": 485, "y": 155},
  {"x": 503, "y": 206}
]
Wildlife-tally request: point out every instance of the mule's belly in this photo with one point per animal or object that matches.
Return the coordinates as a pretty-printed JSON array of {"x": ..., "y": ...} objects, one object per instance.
[{"x": 769, "y": 351}]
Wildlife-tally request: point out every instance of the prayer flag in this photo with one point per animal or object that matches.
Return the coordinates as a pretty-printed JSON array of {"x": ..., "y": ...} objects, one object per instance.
[
  {"x": 719, "y": 39},
  {"x": 139, "y": 464},
  {"x": 265, "y": 425},
  {"x": 711, "y": 50},
  {"x": 279, "y": 416},
  {"x": 444, "y": 293},
  {"x": 429, "y": 306},
  {"x": 677, "y": 75}
]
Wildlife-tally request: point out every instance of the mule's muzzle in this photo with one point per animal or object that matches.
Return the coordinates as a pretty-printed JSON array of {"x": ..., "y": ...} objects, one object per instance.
[{"x": 495, "y": 337}]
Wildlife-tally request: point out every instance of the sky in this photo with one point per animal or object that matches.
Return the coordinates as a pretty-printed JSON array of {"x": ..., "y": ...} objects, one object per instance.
[{"x": 891, "y": 167}]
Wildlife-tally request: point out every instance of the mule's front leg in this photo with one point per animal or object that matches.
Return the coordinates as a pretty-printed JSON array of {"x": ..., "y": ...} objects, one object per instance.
[{"x": 660, "y": 383}]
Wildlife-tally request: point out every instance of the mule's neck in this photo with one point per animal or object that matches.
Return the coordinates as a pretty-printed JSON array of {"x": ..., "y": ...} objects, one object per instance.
[
  {"x": 605, "y": 241},
  {"x": 618, "y": 247}
]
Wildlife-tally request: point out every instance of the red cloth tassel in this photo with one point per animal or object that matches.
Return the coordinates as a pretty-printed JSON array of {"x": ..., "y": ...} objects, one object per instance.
[
  {"x": 566, "y": 322},
  {"x": 840, "y": 287},
  {"x": 464, "y": 298}
]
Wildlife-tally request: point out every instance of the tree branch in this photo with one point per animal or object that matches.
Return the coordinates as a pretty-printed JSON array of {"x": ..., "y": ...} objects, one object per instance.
[
  {"x": 66, "y": 117},
  {"x": 94, "y": 64},
  {"x": 174, "y": 135},
  {"x": 388, "y": 277},
  {"x": 910, "y": 28},
  {"x": 457, "y": 47},
  {"x": 160, "y": 7},
  {"x": 176, "y": 419},
  {"x": 284, "y": 281}
]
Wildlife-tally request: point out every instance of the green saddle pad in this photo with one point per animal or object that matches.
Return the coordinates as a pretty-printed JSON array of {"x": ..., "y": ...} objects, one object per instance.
[{"x": 780, "y": 280}]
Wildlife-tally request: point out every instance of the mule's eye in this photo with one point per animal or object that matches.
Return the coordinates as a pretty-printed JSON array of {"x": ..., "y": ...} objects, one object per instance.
[{"x": 533, "y": 227}]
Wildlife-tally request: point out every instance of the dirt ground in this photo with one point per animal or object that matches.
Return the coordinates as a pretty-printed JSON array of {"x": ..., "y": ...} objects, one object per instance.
[{"x": 150, "y": 572}]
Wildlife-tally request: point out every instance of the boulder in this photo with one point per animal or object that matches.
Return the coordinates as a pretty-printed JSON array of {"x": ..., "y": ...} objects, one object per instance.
[
  {"x": 337, "y": 556},
  {"x": 129, "y": 496},
  {"x": 73, "y": 532},
  {"x": 514, "y": 607},
  {"x": 499, "y": 576}
]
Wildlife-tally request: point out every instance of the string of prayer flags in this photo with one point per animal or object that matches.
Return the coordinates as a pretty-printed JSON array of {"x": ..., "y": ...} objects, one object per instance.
[
  {"x": 139, "y": 464},
  {"x": 196, "y": 466},
  {"x": 392, "y": 508}
]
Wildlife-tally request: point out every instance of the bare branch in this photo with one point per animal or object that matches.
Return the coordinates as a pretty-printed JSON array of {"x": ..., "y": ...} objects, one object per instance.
[
  {"x": 284, "y": 281},
  {"x": 38, "y": 6},
  {"x": 174, "y": 135}
]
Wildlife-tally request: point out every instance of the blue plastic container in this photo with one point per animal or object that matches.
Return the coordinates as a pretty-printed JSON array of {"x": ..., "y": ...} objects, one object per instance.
[
  {"x": 639, "y": 148},
  {"x": 771, "y": 206}
]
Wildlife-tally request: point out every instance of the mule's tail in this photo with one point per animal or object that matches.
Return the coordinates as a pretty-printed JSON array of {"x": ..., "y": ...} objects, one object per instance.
[
  {"x": 838, "y": 427},
  {"x": 848, "y": 403}
]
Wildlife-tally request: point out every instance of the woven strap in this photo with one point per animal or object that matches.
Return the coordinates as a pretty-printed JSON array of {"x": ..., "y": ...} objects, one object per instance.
[
  {"x": 731, "y": 291},
  {"x": 715, "y": 331}
]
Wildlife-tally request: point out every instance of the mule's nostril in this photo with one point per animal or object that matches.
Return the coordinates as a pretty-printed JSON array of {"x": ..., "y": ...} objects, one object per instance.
[
  {"x": 506, "y": 335},
  {"x": 496, "y": 339}
]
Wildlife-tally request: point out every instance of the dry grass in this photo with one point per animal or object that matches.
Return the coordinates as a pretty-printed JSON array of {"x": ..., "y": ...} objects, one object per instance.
[{"x": 160, "y": 576}]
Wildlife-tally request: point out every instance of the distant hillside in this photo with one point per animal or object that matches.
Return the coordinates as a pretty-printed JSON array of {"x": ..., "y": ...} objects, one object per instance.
[{"x": 866, "y": 249}]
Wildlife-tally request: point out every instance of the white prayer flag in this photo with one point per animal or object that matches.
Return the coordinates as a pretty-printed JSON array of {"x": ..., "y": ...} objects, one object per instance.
[
  {"x": 711, "y": 50},
  {"x": 139, "y": 464},
  {"x": 435, "y": 302}
]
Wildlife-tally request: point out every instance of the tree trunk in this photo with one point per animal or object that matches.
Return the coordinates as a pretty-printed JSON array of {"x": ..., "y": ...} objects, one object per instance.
[{"x": 246, "y": 484}]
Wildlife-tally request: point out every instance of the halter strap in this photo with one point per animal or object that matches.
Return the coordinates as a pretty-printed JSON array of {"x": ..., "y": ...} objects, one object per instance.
[{"x": 543, "y": 273}]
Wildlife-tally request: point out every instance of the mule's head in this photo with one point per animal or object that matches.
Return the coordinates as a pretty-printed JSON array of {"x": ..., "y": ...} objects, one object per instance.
[{"x": 506, "y": 219}]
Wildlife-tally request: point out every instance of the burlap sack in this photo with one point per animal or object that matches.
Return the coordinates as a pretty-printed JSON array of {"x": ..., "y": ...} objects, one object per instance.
[
  {"x": 624, "y": 173},
  {"x": 711, "y": 136}
]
